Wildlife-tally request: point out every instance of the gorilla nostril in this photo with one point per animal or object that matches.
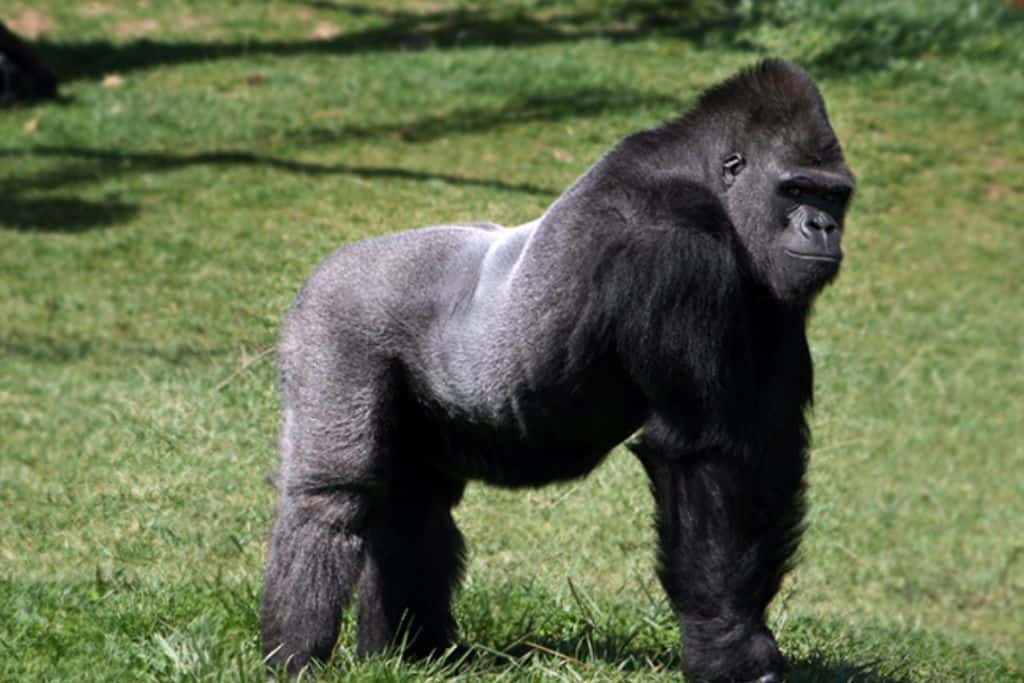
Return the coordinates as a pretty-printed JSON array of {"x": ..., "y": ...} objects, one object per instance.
[
  {"x": 818, "y": 229},
  {"x": 825, "y": 224}
]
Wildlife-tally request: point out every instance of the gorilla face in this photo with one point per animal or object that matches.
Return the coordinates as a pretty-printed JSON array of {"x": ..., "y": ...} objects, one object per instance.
[{"x": 788, "y": 207}]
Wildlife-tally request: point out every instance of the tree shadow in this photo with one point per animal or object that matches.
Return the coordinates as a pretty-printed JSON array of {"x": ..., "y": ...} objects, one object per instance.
[
  {"x": 72, "y": 215},
  {"x": 858, "y": 50},
  {"x": 536, "y": 108},
  {"x": 868, "y": 43},
  {"x": 462, "y": 27},
  {"x": 62, "y": 214},
  {"x": 82, "y": 165},
  {"x": 47, "y": 349},
  {"x": 108, "y": 163}
]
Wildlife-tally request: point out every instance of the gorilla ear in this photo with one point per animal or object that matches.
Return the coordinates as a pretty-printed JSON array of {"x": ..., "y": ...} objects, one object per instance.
[{"x": 732, "y": 166}]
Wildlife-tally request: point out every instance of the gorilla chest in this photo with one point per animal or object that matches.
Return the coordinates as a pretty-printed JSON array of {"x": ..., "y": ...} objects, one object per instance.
[{"x": 763, "y": 396}]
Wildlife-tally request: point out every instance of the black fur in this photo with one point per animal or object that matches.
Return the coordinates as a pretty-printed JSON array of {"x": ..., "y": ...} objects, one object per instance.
[
  {"x": 666, "y": 290},
  {"x": 22, "y": 74}
]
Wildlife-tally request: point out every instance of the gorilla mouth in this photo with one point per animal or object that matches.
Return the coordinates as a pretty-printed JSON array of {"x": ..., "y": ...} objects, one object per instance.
[{"x": 827, "y": 258}]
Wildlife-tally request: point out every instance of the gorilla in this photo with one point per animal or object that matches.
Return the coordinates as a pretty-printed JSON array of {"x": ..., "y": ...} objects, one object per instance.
[
  {"x": 23, "y": 75},
  {"x": 666, "y": 292}
]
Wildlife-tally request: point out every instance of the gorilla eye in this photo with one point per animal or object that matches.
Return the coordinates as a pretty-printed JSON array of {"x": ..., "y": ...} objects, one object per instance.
[
  {"x": 732, "y": 166},
  {"x": 734, "y": 163}
]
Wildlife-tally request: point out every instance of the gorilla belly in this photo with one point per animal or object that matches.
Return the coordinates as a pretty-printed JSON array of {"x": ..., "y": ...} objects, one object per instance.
[
  {"x": 541, "y": 436},
  {"x": 507, "y": 457}
]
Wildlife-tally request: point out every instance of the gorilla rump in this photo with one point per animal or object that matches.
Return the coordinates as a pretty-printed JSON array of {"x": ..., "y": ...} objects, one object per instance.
[{"x": 667, "y": 290}]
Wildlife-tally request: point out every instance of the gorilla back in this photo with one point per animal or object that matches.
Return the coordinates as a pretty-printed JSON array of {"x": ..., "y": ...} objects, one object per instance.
[{"x": 666, "y": 290}]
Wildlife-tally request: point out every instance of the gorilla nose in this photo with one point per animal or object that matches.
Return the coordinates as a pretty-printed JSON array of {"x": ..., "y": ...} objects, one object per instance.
[
  {"x": 821, "y": 230},
  {"x": 819, "y": 224}
]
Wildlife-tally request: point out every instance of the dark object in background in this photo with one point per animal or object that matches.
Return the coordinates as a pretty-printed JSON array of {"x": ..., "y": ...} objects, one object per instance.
[
  {"x": 23, "y": 76},
  {"x": 667, "y": 289}
]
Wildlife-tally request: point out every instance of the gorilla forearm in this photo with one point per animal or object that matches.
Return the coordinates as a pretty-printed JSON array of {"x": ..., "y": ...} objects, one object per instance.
[{"x": 729, "y": 524}]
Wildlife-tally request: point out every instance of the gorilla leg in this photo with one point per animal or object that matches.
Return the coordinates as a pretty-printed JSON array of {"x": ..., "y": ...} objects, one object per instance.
[
  {"x": 414, "y": 561},
  {"x": 336, "y": 445},
  {"x": 727, "y": 531},
  {"x": 314, "y": 562}
]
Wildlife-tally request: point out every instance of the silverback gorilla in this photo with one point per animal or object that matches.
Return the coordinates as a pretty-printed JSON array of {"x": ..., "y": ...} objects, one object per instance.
[{"x": 666, "y": 291}]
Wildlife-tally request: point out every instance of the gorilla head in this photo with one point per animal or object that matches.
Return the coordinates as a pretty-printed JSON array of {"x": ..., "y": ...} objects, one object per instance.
[{"x": 785, "y": 183}]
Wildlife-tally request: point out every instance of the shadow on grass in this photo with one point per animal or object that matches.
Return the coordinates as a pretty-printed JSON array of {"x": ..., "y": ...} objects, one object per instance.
[
  {"x": 113, "y": 162},
  {"x": 401, "y": 30},
  {"x": 88, "y": 165},
  {"x": 539, "y": 107},
  {"x": 871, "y": 41},
  {"x": 627, "y": 657},
  {"x": 815, "y": 671},
  {"x": 46, "y": 349},
  {"x": 638, "y": 639},
  {"x": 868, "y": 42},
  {"x": 62, "y": 214},
  {"x": 71, "y": 215}
]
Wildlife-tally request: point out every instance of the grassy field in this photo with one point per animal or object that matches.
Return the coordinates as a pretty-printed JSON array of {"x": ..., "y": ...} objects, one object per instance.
[{"x": 156, "y": 222}]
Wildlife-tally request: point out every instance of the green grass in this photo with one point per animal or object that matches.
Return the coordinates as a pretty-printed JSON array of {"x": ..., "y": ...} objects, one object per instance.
[{"x": 152, "y": 234}]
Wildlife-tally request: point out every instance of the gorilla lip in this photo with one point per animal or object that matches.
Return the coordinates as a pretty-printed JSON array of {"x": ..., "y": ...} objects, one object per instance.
[{"x": 814, "y": 257}]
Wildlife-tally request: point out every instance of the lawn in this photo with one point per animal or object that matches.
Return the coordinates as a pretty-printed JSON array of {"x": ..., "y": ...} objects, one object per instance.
[{"x": 157, "y": 221}]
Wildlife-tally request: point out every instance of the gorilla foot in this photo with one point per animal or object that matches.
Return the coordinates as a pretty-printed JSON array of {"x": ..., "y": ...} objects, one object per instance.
[
  {"x": 770, "y": 677},
  {"x": 753, "y": 659}
]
